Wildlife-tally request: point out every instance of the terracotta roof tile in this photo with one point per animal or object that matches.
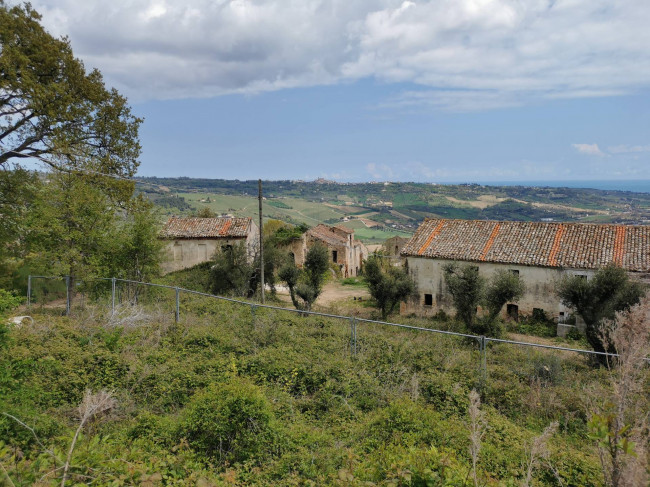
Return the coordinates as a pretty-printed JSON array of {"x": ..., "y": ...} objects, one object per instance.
[
  {"x": 570, "y": 245},
  {"x": 206, "y": 227},
  {"x": 327, "y": 235}
]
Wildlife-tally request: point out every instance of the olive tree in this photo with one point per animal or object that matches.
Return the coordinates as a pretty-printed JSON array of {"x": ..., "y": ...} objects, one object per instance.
[
  {"x": 466, "y": 288},
  {"x": 598, "y": 299},
  {"x": 387, "y": 284},
  {"x": 306, "y": 284},
  {"x": 469, "y": 290}
]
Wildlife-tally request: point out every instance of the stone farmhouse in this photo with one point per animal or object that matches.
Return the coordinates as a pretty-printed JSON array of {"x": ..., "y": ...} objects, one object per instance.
[
  {"x": 540, "y": 253},
  {"x": 345, "y": 251},
  {"x": 393, "y": 247},
  {"x": 191, "y": 241}
]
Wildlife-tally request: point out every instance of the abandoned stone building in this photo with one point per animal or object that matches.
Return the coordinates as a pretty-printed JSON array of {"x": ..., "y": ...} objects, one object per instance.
[
  {"x": 344, "y": 250},
  {"x": 393, "y": 247},
  {"x": 540, "y": 253},
  {"x": 191, "y": 241}
]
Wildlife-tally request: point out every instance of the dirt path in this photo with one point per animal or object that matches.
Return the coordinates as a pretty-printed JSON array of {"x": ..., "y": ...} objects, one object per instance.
[{"x": 333, "y": 292}]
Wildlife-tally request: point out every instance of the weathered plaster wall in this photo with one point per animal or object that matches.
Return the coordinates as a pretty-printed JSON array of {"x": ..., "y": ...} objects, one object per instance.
[{"x": 540, "y": 286}]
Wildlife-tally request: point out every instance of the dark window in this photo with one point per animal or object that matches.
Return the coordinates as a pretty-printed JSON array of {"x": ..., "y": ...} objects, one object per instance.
[
  {"x": 396, "y": 249},
  {"x": 514, "y": 272},
  {"x": 582, "y": 276},
  {"x": 513, "y": 312},
  {"x": 226, "y": 248},
  {"x": 539, "y": 314},
  {"x": 428, "y": 299},
  {"x": 475, "y": 268},
  {"x": 335, "y": 254}
]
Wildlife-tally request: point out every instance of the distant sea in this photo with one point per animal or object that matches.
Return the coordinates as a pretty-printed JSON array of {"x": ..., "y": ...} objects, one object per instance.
[{"x": 638, "y": 186}]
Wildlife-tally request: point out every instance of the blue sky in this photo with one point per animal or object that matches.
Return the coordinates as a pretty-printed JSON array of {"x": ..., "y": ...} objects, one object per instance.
[{"x": 448, "y": 90}]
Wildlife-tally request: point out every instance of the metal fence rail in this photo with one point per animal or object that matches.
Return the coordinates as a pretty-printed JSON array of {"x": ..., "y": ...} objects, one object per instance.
[{"x": 482, "y": 341}]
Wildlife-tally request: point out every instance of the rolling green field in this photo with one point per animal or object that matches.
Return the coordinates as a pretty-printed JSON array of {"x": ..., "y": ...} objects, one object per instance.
[
  {"x": 397, "y": 207},
  {"x": 291, "y": 210}
]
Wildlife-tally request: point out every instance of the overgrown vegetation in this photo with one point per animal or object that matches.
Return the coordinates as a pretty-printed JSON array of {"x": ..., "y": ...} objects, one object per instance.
[
  {"x": 468, "y": 289},
  {"x": 228, "y": 397},
  {"x": 598, "y": 299}
]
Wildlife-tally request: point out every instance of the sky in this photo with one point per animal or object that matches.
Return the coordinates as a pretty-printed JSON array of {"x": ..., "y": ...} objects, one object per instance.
[{"x": 428, "y": 91}]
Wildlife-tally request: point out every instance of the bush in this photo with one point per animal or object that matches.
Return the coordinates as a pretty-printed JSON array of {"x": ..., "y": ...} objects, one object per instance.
[
  {"x": 8, "y": 301},
  {"x": 231, "y": 422}
]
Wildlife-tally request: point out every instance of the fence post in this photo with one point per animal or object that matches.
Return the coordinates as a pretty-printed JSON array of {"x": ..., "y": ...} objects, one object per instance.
[
  {"x": 112, "y": 296},
  {"x": 67, "y": 295},
  {"x": 353, "y": 336},
  {"x": 29, "y": 291},
  {"x": 178, "y": 304}
]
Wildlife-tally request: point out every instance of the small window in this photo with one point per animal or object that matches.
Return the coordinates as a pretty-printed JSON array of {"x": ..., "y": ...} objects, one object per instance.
[
  {"x": 475, "y": 268},
  {"x": 428, "y": 299},
  {"x": 513, "y": 312},
  {"x": 335, "y": 255},
  {"x": 582, "y": 276},
  {"x": 226, "y": 248},
  {"x": 396, "y": 250},
  {"x": 514, "y": 272}
]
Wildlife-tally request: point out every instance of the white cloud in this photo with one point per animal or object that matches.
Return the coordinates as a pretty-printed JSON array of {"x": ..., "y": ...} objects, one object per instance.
[
  {"x": 464, "y": 53},
  {"x": 589, "y": 149}
]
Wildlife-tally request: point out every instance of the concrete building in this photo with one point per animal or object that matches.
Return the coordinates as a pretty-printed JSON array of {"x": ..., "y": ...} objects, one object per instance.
[
  {"x": 191, "y": 241},
  {"x": 345, "y": 251},
  {"x": 540, "y": 253}
]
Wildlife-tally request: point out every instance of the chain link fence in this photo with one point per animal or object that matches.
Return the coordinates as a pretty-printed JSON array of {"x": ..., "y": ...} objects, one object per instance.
[{"x": 493, "y": 361}]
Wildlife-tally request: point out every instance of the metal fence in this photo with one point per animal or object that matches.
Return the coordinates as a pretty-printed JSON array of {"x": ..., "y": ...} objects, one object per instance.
[{"x": 525, "y": 359}]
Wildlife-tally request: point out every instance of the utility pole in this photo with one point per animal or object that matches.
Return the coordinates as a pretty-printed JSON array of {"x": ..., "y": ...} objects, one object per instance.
[{"x": 259, "y": 197}]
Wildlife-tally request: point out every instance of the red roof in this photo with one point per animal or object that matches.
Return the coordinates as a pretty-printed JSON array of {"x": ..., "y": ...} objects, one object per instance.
[
  {"x": 568, "y": 245},
  {"x": 224, "y": 227},
  {"x": 327, "y": 234}
]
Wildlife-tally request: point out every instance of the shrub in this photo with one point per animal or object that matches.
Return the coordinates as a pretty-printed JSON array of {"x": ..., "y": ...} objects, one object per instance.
[
  {"x": 231, "y": 422},
  {"x": 8, "y": 301}
]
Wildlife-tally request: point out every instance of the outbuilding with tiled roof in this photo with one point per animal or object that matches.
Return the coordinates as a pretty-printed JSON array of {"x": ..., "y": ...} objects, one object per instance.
[
  {"x": 540, "y": 252},
  {"x": 191, "y": 241}
]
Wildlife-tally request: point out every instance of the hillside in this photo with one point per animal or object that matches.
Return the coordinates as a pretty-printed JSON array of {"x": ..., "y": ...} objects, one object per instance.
[
  {"x": 377, "y": 211},
  {"x": 234, "y": 397}
]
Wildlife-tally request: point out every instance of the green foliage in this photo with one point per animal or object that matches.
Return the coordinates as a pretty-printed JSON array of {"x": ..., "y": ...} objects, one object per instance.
[
  {"x": 306, "y": 285},
  {"x": 58, "y": 112},
  {"x": 204, "y": 212},
  {"x": 231, "y": 422},
  {"x": 17, "y": 187},
  {"x": 227, "y": 397},
  {"x": 8, "y": 301},
  {"x": 599, "y": 298},
  {"x": 287, "y": 234},
  {"x": 134, "y": 251},
  {"x": 387, "y": 284},
  {"x": 233, "y": 272},
  {"x": 466, "y": 287},
  {"x": 70, "y": 226}
]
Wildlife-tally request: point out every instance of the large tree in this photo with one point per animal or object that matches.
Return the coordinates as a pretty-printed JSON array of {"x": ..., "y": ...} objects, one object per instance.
[{"x": 53, "y": 110}]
